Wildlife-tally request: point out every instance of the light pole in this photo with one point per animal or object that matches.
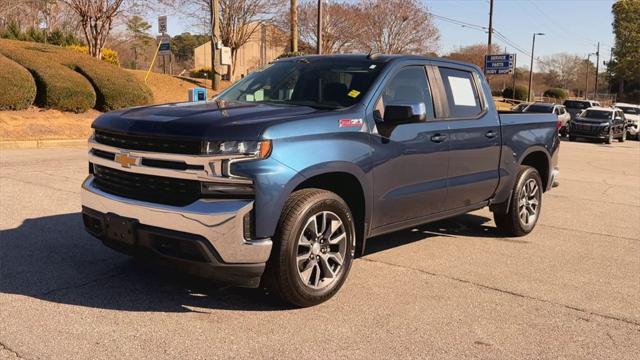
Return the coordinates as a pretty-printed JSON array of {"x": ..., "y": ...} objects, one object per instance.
[
  {"x": 586, "y": 80},
  {"x": 533, "y": 48}
]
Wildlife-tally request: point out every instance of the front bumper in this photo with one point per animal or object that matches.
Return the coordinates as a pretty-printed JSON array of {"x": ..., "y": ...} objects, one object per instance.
[
  {"x": 210, "y": 231},
  {"x": 589, "y": 131},
  {"x": 634, "y": 129}
]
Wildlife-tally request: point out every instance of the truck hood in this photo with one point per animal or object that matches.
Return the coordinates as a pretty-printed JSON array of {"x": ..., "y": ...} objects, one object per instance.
[{"x": 213, "y": 120}]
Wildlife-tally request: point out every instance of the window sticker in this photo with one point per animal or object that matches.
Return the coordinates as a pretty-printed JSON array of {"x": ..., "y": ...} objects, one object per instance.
[
  {"x": 462, "y": 91},
  {"x": 354, "y": 93}
]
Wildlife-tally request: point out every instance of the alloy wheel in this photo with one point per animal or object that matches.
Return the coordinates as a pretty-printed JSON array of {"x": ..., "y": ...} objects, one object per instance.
[
  {"x": 321, "y": 250},
  {"x": 529, "y": 202}
]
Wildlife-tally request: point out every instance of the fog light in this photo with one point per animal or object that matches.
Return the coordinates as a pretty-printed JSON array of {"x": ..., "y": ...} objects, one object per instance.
[{"x": 226, "y": 190}]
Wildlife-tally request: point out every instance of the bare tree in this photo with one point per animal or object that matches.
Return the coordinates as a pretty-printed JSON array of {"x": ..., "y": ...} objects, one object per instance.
[
  {"x": 561, "y": 69},
  {"x": 396, "y": 27},
  {"x": 96, "y": 19},
  {"x": 241, "y": 20},
  {"x": 473, "y": 54},
  {"x": 340, "y": 25}
]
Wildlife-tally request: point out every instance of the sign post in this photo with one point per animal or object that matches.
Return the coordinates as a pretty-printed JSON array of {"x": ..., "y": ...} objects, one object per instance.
[
  {"x": 162, "y": 24},
  {"x": 499, "y": 64},
  {"x": 164, "y": 46}
]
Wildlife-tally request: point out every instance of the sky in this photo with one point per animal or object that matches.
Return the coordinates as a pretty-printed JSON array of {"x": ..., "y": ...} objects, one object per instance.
[{"x": 572, "y": 26}]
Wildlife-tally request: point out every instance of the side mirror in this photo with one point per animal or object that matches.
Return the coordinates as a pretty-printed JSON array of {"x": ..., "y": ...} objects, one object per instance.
[{"x": 405, "y": 113}]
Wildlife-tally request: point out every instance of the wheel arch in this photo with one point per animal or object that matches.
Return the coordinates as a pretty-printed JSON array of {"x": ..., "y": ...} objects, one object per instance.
[
  {"x": 539, "y": 159},
  {"x": 351, "y": 186}
]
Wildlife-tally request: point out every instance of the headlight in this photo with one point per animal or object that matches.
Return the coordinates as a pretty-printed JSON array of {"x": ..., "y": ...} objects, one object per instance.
[{"x": 252, "y": 149}]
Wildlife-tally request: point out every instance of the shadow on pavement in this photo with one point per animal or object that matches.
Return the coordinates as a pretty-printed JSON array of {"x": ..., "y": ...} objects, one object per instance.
[
  {"x": 53, "y": 259},
  {"x": 467, "y": 225}
]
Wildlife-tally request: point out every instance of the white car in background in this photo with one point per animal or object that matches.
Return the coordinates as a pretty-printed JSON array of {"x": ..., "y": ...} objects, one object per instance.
[
  {"x": 549, "y": 108},
  {"x": 632, "y": 114}
]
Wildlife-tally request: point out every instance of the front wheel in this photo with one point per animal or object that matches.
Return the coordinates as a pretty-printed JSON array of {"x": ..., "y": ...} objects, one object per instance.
[
  {"x": 524, "y": 209},
  {"x": 609, "y": 138},
  {"x": 313, "y": 248}
]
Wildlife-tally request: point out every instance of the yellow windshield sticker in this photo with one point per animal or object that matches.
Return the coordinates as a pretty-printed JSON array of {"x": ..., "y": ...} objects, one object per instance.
[{"x": 354, "y": 93}]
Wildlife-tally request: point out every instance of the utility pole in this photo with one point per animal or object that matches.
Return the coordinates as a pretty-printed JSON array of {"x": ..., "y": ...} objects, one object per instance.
[
  {"x": 533, "y": 48},
  {"x": 515, "y": 71},
  {"x": 294, "y": 26},
  {"x": 319, "y": 36},
  {"x": 586, "y": 80},
  {"x": 215, "y": 39},
  {"x": 490, "y": 27},
  {"x": 595, "y": 93}
]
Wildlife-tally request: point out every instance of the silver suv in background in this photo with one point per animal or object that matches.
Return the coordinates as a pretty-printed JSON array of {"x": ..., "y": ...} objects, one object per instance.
[
  {"x": 575, "y": 107},
  {"x": 632, "y": 114},
  {"x": 549, "y": 108}
]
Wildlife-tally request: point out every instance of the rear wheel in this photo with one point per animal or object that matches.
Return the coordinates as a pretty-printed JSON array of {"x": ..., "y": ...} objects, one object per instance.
[
  {"x": 313, "y": 248},
  {"x": 524, "y": 210}
]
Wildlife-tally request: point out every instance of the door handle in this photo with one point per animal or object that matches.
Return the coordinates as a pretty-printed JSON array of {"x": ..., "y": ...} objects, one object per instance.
[
  {"x": 438, "y": 138},
  {"x": 491, "y": 134}
]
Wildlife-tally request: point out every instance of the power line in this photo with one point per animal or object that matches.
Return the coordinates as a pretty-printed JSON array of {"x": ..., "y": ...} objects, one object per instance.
[
  {"x": 460, "y": 23},
  {"x": 501, "y": 36},
  {"x": 565, "y": 32}
]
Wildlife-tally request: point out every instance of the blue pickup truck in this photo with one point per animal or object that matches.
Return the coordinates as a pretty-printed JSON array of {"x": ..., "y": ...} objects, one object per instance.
[{"x": 279, "y": 181}]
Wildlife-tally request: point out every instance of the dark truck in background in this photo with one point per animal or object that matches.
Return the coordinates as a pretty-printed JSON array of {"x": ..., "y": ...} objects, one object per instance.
[{"x": 280, "y": 180}]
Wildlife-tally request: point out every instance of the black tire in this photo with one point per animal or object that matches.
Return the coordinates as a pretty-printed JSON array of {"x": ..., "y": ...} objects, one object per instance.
[
  {"x": 572, "y": 138},
  {"x": 283, "y": 276},
  {"x": 623, "y": 137},
  {"x": 510, "y": 223}
]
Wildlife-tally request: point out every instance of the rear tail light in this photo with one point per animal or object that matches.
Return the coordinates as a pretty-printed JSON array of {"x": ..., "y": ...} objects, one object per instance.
[{"x": 559, "y": 124}]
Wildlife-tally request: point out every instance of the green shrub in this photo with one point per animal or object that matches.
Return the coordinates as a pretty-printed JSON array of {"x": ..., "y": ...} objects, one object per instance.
[
  {"x": 203, "y": 73},
  {"x": 521, "y": 93},
  {"x": 107, "y": 55},
  {"x": 115, "y": 87},
  {"x": 17, "y": 87},
  {"x": 556, "y": 93},
  {"x": 112, "y": 87},
  {"x": 58, "y": 87}
]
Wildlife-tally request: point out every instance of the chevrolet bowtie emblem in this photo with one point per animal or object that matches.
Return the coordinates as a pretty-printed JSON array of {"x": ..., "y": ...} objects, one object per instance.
[{"x": 125, "y": 160}]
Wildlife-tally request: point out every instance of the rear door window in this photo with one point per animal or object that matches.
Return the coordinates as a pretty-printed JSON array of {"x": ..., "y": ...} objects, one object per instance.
[{"x": 462, "y": 93}]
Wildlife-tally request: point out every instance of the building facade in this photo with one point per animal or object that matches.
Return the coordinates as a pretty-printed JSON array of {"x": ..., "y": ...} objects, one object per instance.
[{"x": 264, "y": 46}]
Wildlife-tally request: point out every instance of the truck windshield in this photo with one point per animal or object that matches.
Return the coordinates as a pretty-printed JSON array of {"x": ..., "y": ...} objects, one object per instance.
[
  {"x": 597, "y": 114},
  {"x": 322, "y": 83}
]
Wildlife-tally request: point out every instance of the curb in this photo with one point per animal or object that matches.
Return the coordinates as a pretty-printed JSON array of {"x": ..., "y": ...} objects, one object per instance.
[{"x": 41, "y": 144}]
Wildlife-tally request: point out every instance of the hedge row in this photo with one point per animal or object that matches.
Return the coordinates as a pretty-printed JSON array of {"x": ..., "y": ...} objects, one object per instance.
[
  {"x": 112, "y": 87},
  {"x": 58, "y": 86},
  {"x": 115, "y": 88},
  {"x": 17, "y": 87}
]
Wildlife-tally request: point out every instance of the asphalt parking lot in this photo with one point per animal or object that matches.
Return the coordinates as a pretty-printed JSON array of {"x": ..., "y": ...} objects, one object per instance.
[{"x": 452, "y": 289}]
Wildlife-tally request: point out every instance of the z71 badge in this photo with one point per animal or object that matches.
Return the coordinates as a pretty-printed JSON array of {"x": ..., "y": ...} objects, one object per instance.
[{"x": 350, "y": 122}]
